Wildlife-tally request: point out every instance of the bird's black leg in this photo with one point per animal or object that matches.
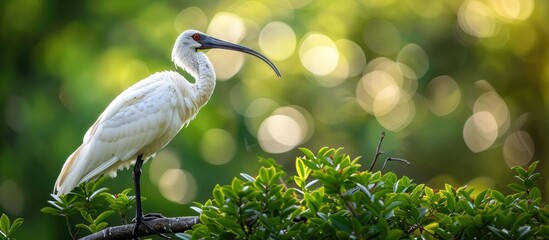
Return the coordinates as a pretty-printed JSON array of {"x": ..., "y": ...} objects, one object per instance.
[{"x": 140, "y": 219}]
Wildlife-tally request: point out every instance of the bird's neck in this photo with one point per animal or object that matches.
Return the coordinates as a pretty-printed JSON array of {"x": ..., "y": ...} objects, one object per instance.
[{"x": 205, "y": 78}]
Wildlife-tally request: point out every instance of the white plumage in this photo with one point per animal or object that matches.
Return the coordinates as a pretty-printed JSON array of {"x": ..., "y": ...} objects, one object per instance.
[{"x": 147, "y": 116}]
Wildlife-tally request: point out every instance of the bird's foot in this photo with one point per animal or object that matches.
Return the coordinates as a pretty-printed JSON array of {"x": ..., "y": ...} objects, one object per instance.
[{"x": 143, "y": 220}]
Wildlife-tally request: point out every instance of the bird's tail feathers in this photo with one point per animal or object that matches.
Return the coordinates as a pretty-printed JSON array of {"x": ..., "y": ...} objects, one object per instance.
[{"x": 71, "y": 172}]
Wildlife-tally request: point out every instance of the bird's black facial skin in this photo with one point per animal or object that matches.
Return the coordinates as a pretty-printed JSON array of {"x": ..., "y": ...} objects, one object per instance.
[{"x": 207, "y": 42}]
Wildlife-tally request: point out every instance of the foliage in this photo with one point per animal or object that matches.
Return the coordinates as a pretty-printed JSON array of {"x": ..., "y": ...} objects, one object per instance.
[
  {"x": 89, "y": 201},
  {"x": 7, "y": 228},
  {"x": 329, "y": 197}
]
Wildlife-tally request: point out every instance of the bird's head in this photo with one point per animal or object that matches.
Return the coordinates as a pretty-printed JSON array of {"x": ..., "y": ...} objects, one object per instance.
[{"x": 191, "y": 41}]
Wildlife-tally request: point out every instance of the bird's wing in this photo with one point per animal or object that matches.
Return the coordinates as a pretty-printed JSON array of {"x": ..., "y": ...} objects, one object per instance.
[{"x": 136, "y": 118}]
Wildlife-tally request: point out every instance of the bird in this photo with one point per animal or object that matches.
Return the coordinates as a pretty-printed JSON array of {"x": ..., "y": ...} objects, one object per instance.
[{"x": 145, "y": 117}]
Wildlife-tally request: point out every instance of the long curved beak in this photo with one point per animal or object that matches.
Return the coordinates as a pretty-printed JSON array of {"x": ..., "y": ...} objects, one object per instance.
[{"x": 208, "y": 42}]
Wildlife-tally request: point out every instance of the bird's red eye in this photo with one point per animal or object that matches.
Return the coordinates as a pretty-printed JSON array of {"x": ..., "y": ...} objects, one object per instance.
[{"x": 196, "y": 36}]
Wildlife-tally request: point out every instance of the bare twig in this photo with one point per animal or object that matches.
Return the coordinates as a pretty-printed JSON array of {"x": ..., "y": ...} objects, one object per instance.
[
  {"x": 378, "y": 150},
  {"x": 394, "y": 159},
  {"x": 161, "y": 225}
]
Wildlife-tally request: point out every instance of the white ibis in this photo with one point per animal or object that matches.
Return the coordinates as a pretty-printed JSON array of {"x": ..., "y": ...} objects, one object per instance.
[{"x": 146, "y": 117}]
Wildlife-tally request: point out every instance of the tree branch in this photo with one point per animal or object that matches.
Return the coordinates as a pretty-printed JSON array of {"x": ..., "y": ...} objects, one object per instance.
[{"x": 161, "y": 225}]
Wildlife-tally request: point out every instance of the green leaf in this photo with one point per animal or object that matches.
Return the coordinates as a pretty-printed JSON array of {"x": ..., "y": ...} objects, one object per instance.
[
  {"x": 480, "y": 197},
  {"x": 302, "y": 170},
  {"x": 197, "y": 209},
  {"x": 15, "y": 225},
  {"x": 228, "y": 223},
  {"x": 521, "y": 220},
  {"x": 499, "y": 233},
  {"x": 311, "y": 202},
  {"x": 544, "y": 231},
  {"x": 50, "y": 210},
  {"x": 520, "y": 171},
  {"x": 528, "y": 183},
  {"x": 532, "y": 167},
  {"x": 341, "y": 222},
  {"x": 247, "y": 177},
  {"x": 394, "y": 234},
  {"x": 98, "y": 192},
  {"x": 308, "y": 153},
  {"x": 86, "y": 216},
  {"x": 498, "y": 196},
  {"x": 449, "y": 189},
  {"x": 416, "y": 193},
  {"x": 326, "y": 161},
  {"x": 429, "y": 192},
  {"x": 450, "y": 201},
  {"x": 264, "y": 175},
  {"x": 516, "y": 187},
  {"x": 101, "y": 226},
  {"x": 84, "y": 226},
  {"x": 467, "y": 207},
  {"x": 5, "y": 224},
  {"x": 218, "y": 195},
  {"x": 535, "y": 194},
  {"x": 103, "y": 216}
]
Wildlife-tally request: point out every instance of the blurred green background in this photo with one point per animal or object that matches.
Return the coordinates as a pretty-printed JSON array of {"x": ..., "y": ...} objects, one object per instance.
[{"x": 461, "y": 87}]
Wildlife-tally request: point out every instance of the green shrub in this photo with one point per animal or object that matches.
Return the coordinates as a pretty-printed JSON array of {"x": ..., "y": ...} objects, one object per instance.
[{"x": 330, "y": 198}]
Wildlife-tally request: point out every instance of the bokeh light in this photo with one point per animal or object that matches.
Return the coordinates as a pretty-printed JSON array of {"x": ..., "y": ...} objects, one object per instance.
[
  {"x": 351, "y": 62},
  {"x": 413, "y": 56},
  {"x": 491, "y": 102},
  {"x": 375, "y": 85},
  {"x": 164, "y": 160},
  {"x": 277, "y": 40},
  {"x": 257, "y": 111},
  {"x": 399, "y": 117},
  {"x": 301, "y": 116},
  {"x": 353, "y": 54},
  {"x": 227, "y": 63},
  {"x": 480, "y": 131},
  {"x": 477, "y": 19},
  {"x": 217, "y": 146},
  {"x": 191, "y": 18},
  {"x": 513, "y": 10},
  {"x": 403, "y": 76},
  {"x": 386, "y": 91},
  {"x": 443, "y": 95},
  {"x": 178, "y": 186},
  {"x": 229, "y": 27},
  {"x": 318, "y": 54},
  {"x": 518, "y": 149},
  {"x": 279, "y": 133},
  {"x": 283, "y": 130}
]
